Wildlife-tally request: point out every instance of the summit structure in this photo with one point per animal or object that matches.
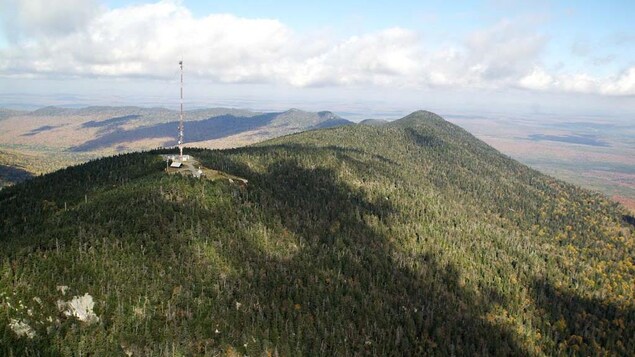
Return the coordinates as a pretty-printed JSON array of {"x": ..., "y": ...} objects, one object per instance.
[{"x": 180, "y": 138}]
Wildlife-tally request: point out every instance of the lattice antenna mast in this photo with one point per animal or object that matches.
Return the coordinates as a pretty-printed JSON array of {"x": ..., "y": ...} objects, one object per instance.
[{"x": 181, "y": 117}]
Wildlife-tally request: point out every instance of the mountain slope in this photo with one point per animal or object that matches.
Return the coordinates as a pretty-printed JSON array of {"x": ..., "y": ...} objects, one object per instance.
[
  {"x": 408, "y": 238},
  {"x": 377, "y": 122},
  {"x": 7, "y": 113}
]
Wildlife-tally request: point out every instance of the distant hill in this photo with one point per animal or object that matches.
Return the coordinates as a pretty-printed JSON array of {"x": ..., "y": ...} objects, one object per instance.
[
  {"x": 71, "y": 135},
  {"x": 6, "y": 113},
  {"x": 217, "y": 130},
  {"x": 410, "y": 238},
  {"x": 376, "y": 122},
  {"x": 113, "y": 129},
  {"x": 10, "y": 175}
]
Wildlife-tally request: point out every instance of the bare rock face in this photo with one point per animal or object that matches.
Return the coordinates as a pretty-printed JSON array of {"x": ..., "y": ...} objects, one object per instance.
[
  {"x": 80, "y": 307},
  {"x": 21, "y": 328}
]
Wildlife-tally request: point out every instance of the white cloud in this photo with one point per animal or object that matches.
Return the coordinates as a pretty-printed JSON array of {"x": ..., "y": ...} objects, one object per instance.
[
  {"x": 505, "y": 50},
  {"x": 623, "y": 84},
  {"x": 147, "y": 40},
  {"x": 378, "y": 58},
  {"x": 79, "y": 38},
  {"x": 25, "y": 18},
  {"x": 580, "y": 82},
  {"x": 538, "y": 79}
]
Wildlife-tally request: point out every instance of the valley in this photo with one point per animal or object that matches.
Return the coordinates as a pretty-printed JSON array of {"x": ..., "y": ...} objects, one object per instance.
[{"x": 593, "y": 152}]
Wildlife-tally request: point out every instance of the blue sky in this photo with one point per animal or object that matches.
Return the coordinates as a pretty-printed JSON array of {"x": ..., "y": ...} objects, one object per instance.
[
  {"x": 604, "y": 27},
  {"x": 274, "y": 53}
]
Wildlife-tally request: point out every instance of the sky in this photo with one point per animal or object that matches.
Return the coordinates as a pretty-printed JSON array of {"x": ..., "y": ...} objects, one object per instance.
[{"x": 361, "y": 58}]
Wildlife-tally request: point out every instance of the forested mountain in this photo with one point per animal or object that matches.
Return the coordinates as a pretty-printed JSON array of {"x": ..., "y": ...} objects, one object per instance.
[
  {"x": 409, "y": 238},
  {"x": 377, "y": 122}
]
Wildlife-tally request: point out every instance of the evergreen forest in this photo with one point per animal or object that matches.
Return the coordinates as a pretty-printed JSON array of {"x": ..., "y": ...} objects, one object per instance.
[{"x": 402, "y": 239}]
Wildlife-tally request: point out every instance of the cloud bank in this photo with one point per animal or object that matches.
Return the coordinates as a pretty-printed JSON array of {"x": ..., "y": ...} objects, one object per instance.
[{"x": 79, "y": 38}]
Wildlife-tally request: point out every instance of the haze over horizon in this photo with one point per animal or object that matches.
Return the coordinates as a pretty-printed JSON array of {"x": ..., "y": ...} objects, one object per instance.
[{"x": 385, "y": 58}]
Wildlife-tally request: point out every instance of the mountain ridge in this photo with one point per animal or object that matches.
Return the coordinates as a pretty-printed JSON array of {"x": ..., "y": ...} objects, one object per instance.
[
  {"x": 410, "y": 238},
  {"x": 54, "y": 137}
]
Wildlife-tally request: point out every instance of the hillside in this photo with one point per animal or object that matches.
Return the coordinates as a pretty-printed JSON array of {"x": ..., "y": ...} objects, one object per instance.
[
  {"x": 409, "y": 238},
  {"x": 595, "y": 152},
  {"x": 377, "y": 122},
  {"x": 55, "y": 137}
]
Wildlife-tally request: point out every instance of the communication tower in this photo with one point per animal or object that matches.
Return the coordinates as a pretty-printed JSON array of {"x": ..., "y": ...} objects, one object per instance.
[{"x": 180, "y": 140}]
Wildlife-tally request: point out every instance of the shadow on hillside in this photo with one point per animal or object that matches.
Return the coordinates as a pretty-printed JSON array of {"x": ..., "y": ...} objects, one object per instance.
[
  {"x": 428, "y": 141},
  {"x": 331, "y": 123},
  {"x": 584, "y": 324},
  {"x": 628, "y": 219},
  {"x": 110, "y": 124},
  {"x": 41, "y": 129},
  {"x": 208, "y": 129},
  {"x": 336, "y": 281},
  {"x": 12, "y": 174},
  {"x": 348, "y": 288},
  {"x": 590, "y": 140}
]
